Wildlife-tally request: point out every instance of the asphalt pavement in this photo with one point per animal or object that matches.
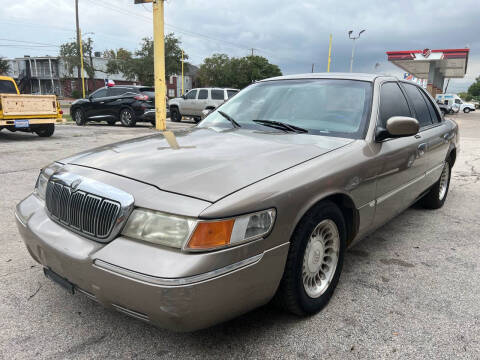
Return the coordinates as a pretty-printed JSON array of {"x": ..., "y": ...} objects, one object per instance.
[{"x": 409, "y": 290}]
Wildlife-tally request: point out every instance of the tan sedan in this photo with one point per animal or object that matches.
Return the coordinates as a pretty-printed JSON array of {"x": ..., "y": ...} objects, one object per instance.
[{"x": 259, "y": 201}]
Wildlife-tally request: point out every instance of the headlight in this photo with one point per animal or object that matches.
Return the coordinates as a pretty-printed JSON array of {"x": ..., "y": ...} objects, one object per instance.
[
  {"x": 158, "y": 228},
  {"x": 191, "y": 234},
  {"x": 42, "y": 180}
]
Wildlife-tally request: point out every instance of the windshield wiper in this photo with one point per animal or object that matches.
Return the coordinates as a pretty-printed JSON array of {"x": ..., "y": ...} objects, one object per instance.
[
  {"x": 229, "y": 118},
  {"x": 281, "y": 126}
]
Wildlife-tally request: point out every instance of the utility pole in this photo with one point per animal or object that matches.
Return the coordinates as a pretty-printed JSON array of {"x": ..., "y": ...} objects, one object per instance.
[
  {"x": 253, "y": 49},
  {"x": 159, "y": 62},
  {"x": 329, "y": 53},
  {"x": 313, "y": 67},
  {"x": 81, "y": 63},
  {"x": 353, "y": 47},
  {"x": 79, "y": 41},
  {"x": 182, "y": 72}
]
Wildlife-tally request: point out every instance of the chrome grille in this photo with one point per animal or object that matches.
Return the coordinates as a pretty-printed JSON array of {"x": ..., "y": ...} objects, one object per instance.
[{"x": 83, "y": 212}]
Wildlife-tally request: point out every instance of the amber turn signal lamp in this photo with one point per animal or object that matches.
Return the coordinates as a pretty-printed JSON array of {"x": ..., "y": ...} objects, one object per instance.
[{"x": 213, "y": 234}]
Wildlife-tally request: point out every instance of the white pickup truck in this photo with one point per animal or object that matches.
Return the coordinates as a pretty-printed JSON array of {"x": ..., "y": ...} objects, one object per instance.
[{"x": 195, "y": 101}]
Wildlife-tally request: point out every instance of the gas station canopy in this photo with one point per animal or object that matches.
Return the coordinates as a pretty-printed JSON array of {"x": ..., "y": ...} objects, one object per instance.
[{"x": 434, "y": 65}]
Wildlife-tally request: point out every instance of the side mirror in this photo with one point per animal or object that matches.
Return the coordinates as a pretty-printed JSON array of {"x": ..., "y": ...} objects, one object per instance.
[{"x": 398, "y": 126}]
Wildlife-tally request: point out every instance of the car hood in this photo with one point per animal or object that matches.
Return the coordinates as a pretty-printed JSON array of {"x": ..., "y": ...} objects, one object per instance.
[{"x": 205, "y": 163}]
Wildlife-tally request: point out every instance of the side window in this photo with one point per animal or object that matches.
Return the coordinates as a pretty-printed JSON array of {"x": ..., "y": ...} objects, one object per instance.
[
  {"x": 218, "y": 94},
  {"x": 431, "y": 108},
  {"x": 231, "y": 93},
  {"x": 203, "y": 94},
  {"x": 419, "y": 105},
  {"x": 116, "y": 91},
  {"x": 458, "y": 101},
  {"x": 392, "y": 103},
  {"x": 192, "y": 95},
  {"x": 99, "y": 93}
]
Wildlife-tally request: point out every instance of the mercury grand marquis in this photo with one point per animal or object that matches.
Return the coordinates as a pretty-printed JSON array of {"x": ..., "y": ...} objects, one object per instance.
[{"x": 258, "y": 202}]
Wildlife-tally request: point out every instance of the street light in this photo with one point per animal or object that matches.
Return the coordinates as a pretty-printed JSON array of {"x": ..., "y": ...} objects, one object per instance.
[{"x": 353, "y": 47}]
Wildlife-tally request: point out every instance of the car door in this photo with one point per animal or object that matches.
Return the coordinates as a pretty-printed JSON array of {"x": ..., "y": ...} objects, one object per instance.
[
  {"x": 201, "y": 102},
  {"x": 433, "y": 132},
  {"x": 114, "y": 100},
  {"x": 218, "y": 97},
  {"x": 97, "y": 104},
  {"x": 188, "y": 103},
  {"x": 397, "y": 159}
]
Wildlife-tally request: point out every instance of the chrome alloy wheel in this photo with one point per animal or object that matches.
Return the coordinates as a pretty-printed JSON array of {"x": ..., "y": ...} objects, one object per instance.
[
  {"x": 126, "y": 117},
  {"x": 321, "y": 258},
  {"x": 442, "y": 190}
]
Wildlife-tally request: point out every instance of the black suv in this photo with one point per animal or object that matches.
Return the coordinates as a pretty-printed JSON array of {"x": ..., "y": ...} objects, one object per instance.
[{"x": 128, "y": 104}]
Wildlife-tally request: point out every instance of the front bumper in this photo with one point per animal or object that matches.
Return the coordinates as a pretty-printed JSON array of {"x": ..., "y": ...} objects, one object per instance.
[{"x": 180, "y": 304}]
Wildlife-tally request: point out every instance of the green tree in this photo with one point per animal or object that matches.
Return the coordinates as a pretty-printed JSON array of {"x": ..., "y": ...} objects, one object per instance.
[
  {"x": 4, "y": 66},
  {"x": 474, "y": 89},
  {"x": 220, "y": 70},
  {"x": 139, "y": 66},
  {"x": 71, "y": 59}
]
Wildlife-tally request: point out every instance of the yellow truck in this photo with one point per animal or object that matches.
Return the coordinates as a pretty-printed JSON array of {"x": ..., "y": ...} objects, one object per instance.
[{"x": 29, "y": 113}]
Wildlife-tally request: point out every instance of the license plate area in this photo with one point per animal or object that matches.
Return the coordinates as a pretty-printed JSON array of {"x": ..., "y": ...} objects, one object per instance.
[
  {"x": 59, "y": 280},
  {"x": 22, "y": 123}
]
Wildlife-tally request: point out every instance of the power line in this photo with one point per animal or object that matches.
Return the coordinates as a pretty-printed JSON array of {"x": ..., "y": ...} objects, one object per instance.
[{"x": 29, "y": 42}]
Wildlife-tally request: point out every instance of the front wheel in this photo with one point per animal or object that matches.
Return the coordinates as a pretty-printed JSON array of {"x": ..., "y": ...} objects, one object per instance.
[
  {"x": 127, "y": 117},
  {"x": 437, "y": 194},
  {"x": 46, "y": 130},
  {"x": 315, "y": 260},
  {"x": 111, "y": 122},
  {"x": 175, "y": 115},
  {"x": 466, "y": 110}
]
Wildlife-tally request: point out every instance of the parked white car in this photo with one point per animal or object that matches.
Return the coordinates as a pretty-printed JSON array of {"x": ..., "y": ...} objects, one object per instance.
[
  {"x": 195, "y": 101},
  {"x": 455, "y": 102}
]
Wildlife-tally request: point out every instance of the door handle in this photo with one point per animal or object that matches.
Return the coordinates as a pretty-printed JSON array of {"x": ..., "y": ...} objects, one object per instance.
[
  {"x": 102, "y": 102},
  {"x": 422, "y": 148}
]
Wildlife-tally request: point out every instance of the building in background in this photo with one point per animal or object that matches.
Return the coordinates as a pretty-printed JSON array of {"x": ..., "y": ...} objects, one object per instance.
[
  {"x": 48, "y": 75},
  {"x": 174, "y": 82}
]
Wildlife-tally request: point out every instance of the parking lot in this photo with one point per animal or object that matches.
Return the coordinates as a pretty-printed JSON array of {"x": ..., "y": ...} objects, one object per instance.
[{"x": 410, "y": 290}]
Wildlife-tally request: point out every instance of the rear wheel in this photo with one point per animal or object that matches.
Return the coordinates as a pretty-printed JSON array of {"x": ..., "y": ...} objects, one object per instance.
[
  {"x": 46, "y": 130},
  {"x": 315, "y": 260},
  {"x": 175, "y": 115},
  {"x": 466, "y": 110},
  {"x": 79, "y": 117},
  {"x": 111, "y": 122},
  {"x": 127, "y": 117},
  {"x": 437, "y": 194}
]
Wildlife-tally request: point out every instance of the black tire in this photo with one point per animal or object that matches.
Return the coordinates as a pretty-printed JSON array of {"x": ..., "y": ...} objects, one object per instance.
[
  {"x": 111, "y": 122},
  {"x": 466, "y": 110},
  {"x": 46, "y": 130},
  {"x": 127, "y": 117},
  {"x": 79, "y": 117},
  {"x": 175, "y": 115},
  {"x": 291, "y": 294},
  {"x": 197, "y": 120},
  {"x": 443, "y": 112},
  {"x": 435, "y": 198}
]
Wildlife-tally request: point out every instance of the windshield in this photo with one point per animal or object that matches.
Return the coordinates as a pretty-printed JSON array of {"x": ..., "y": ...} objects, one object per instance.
[
  {"x": 7, "y": 87},
  {"x": 330, "y": 107}
]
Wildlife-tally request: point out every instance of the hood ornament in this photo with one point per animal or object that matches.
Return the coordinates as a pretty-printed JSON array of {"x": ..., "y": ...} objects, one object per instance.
[{"x": 75, "y": 184}]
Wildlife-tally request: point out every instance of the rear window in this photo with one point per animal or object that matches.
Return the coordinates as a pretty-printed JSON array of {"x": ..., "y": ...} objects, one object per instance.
[
  {"x": 218, "y": 95},
  {"x": 147, "y": 89},
  {"x": 7, "y": 87},
  {"x": 231, "y": 93},
  {"x": 419, "y": 104}
]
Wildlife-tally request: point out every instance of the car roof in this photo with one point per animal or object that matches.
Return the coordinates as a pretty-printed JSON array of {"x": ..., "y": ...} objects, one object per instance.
[{"x": 330, "y": 75}]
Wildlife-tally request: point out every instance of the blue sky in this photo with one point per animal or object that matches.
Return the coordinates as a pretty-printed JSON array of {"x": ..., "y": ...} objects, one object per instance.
[{"x": 292, "y": 34}]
